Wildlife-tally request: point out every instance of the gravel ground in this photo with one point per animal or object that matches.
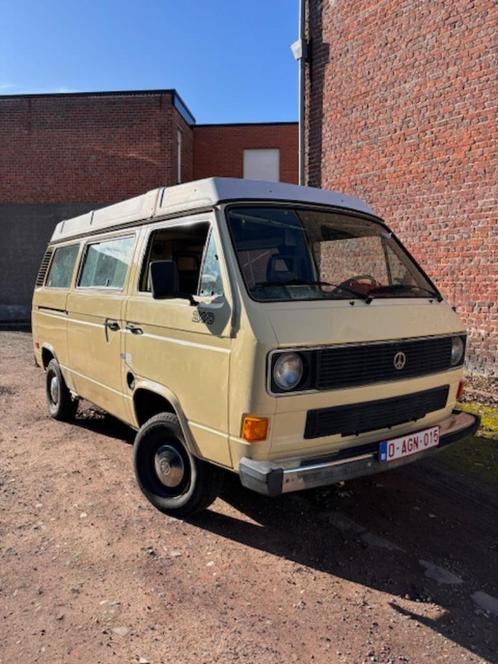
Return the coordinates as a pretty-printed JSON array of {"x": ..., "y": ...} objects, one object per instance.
[{"x": 401, "y": 567}]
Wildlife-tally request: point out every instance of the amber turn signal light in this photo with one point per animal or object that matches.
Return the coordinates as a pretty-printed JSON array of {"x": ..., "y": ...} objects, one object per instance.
[
  {"x": 461, "y": 387},
  {"x": 254, "y": 429}
]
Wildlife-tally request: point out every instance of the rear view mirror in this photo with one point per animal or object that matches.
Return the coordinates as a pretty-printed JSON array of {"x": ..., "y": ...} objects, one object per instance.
[{"x": 164, "y": 281}]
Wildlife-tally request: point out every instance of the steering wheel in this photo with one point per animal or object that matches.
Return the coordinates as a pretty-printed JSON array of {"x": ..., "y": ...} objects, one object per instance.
[{"x": 352, "y": 281}]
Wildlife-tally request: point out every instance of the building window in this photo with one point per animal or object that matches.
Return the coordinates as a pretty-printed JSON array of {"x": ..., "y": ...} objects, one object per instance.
[
  {"x": 178, "y": 156},
  {"x": 262, "y": 164}
]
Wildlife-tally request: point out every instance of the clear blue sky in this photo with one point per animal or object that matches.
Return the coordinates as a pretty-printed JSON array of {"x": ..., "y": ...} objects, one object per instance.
[{"x": 229, "y": 59}]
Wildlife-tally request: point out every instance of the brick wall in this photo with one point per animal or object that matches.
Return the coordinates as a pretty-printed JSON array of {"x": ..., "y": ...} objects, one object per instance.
[
  {"x": 63, "y": 154},
  {"x": 219, "y": 149},
  {"x": 402, "y": 111},
  {"x": 187, "y": 160},
  {"x": 72, "y": 148}
]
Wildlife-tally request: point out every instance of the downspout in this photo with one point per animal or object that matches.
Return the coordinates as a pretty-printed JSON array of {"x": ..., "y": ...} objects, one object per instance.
[{"x": 300, "y": 51}]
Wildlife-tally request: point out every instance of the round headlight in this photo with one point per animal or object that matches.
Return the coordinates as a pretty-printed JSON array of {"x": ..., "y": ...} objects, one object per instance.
[
  {"x": 457, "y": 348},
  {"x": 288, "y": 371}
]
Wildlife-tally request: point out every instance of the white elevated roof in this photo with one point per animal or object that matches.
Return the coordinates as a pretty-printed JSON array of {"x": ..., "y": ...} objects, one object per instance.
[{"x": 197, "y": 195}]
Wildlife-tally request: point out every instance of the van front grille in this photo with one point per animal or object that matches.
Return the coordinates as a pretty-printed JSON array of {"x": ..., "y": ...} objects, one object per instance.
[
  {"x": 40, "y": 279},
  {"x": 347, "y": 366},
  {"x": 372, "y": 415}
]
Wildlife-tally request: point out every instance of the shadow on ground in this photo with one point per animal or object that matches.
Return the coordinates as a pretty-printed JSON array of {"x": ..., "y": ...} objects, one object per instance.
[
  {"x": 376, "y": 531},
  {"x": 93, "y": 419}
]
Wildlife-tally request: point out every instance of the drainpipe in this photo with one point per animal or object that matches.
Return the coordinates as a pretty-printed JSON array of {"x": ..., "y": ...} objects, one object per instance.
[{"x": 300, "y": 52}]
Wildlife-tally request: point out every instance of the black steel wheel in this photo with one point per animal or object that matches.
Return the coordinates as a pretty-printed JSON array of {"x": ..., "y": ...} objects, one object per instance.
[
  {"x": 61, "y": 404},
  {"x": 171, "y": 478}
]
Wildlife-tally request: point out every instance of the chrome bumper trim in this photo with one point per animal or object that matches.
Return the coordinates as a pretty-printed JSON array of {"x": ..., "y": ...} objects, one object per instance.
[{"x": 272, "y": 479}]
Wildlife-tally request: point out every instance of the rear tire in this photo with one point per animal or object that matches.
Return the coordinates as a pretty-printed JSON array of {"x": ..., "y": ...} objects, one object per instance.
[
  {"x": 170, "y": 477},
  {"x": 61, "y": 404}
]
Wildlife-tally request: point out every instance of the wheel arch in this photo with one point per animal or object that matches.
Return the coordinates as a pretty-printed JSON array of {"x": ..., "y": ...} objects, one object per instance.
[
  {"x": 150, "y": 398},
  {"x": 48, "y": 353}
]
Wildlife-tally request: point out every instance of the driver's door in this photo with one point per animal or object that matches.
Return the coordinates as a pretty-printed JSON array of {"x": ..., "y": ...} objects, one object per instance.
[{"x": 180, "y": 346}]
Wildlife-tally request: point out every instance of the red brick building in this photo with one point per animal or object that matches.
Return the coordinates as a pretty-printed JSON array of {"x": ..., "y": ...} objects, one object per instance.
[
  {"x": 401, "y": 110},
  {"x": 217, "y": 148},
  {"x": 64, "y": 154}
]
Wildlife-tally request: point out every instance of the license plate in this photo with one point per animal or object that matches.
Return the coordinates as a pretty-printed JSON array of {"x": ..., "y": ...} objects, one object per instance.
[{"x": 407, "y": 445}]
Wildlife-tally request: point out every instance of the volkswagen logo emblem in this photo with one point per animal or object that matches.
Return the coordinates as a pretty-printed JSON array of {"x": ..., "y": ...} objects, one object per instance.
[{"x": 399, "y": 360}]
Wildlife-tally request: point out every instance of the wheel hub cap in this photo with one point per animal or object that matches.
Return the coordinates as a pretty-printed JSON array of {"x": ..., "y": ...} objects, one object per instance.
[
  {"x": 169, "y": 466},
  {"x": 54, "y": 389}
]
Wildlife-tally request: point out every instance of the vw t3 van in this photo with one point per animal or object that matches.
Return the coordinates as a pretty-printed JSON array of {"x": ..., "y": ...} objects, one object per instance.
[{"x": 279, "y": 332}]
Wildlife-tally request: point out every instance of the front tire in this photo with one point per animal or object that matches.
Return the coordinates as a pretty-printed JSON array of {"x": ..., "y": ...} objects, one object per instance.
[
  {"x": 61, "y": 404},
  {"x": 170, "y": 477}
]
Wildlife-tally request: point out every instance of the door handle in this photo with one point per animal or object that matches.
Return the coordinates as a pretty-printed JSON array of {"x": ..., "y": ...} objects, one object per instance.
[
  {"x": 134, "y": 329},
  {"x": 112, "y": 325}
]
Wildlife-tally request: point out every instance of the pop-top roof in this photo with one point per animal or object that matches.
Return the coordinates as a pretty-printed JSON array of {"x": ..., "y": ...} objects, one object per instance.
[{"x": 197, "y": 195}]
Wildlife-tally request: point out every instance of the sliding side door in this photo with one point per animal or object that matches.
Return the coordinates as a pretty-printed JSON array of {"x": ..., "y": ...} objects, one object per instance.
[{"x": 96, "y": 322}]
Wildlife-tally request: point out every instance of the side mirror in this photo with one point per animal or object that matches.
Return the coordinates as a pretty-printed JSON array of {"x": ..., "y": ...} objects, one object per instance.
[{"x": 164, "y": 281}]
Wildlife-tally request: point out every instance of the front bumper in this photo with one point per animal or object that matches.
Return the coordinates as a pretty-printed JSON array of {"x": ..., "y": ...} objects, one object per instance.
[{"x": 272, "y": 479}]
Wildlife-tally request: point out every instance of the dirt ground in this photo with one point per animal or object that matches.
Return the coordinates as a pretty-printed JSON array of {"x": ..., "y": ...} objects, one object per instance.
[{"x": 401, "y": 567}]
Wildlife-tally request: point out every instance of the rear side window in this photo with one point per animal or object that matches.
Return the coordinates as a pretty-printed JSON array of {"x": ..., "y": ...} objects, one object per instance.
[
  {"x": 62, "y": 266},
  {"x": 106, "y": 263}
]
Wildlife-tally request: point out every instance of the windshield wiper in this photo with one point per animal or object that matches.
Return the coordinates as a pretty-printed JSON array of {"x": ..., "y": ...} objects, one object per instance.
[
  {"x": 301, "y": 282},
  {"x": 411, "y": 287}
]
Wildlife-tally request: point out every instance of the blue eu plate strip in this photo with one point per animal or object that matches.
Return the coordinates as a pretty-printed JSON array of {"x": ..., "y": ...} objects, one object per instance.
[{"x": 383, "y": 451}]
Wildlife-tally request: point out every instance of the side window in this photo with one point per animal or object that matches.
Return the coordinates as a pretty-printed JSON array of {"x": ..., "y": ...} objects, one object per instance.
[
  {"x": 182, "y": 244},
  {"x": 210, "y": 283},
  {"x": 106, "y": 263},
  {"x": 61, "y": 269}
]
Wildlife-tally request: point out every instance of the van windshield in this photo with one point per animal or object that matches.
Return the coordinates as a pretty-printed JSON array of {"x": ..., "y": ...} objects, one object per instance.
[{"x": 289, "y": 253}]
